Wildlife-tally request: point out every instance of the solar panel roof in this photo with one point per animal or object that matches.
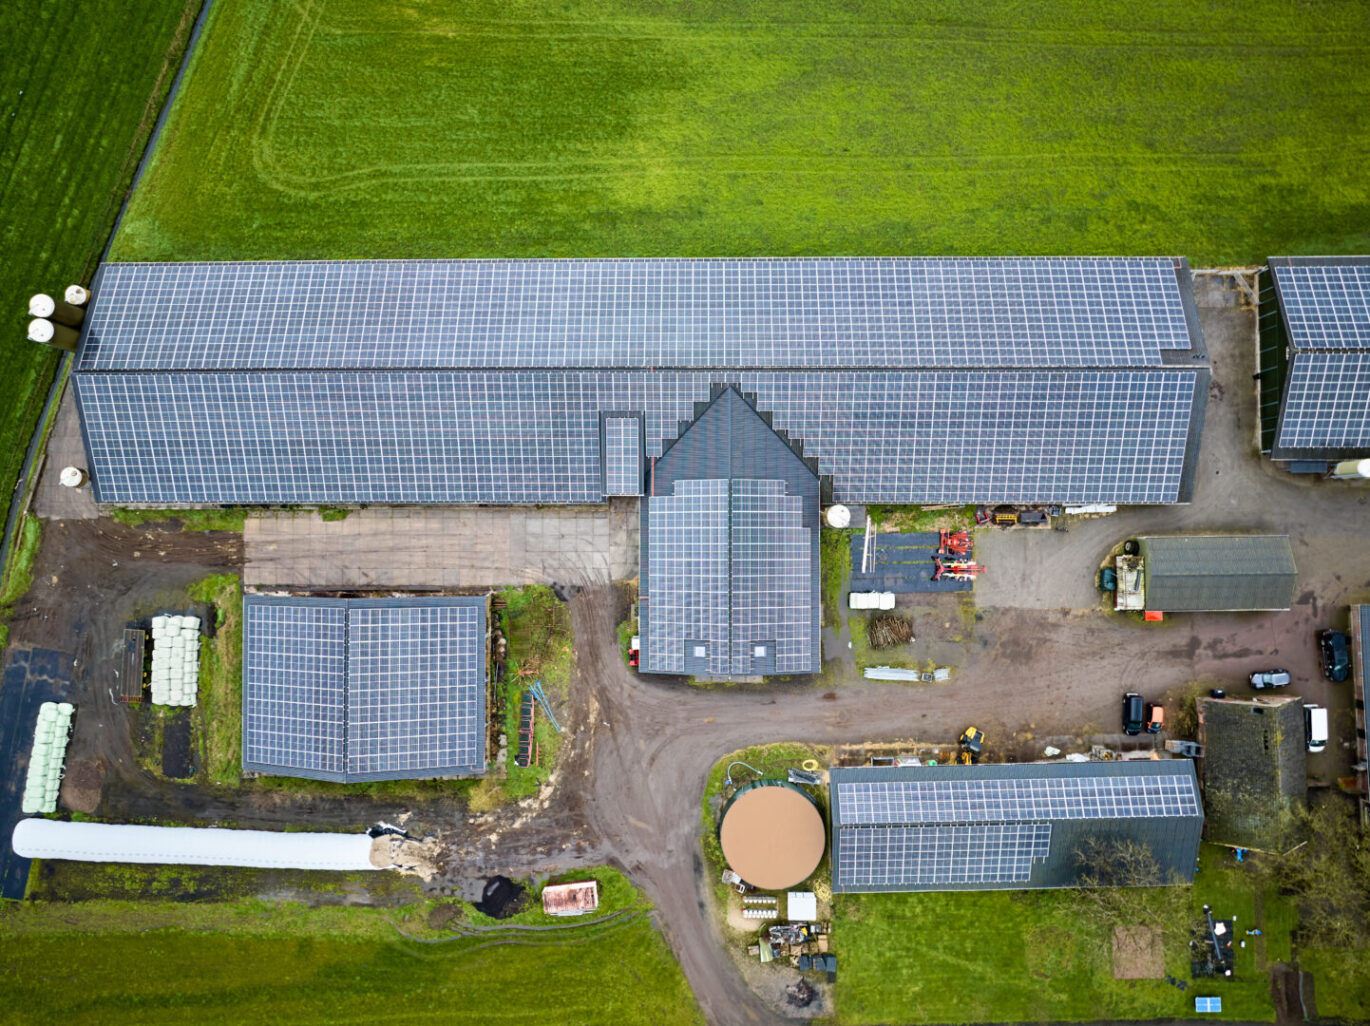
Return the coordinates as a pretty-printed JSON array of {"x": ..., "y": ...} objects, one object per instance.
[
  {"x": 971, "y": 827},
  {"x": 1327, "y": 402},
  {"x": 622, "y": 444},
  {"x": 1326, "y": 306},
  {"x": 815, "y": 313},
  {"x": 363, "y": 689},
  {"x": 988, "y": 853},
  {"x": 482, "y": 436},
  {"x": 910, "y": 380},
  {"x": 730, "y": 571}
]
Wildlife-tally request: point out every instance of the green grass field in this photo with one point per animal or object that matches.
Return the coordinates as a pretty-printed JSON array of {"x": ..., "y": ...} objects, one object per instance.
[
  {"x": 173, "y": 962},
  {"x": 613, "y": 127},
  {"x": 92, "y": 77},
  {"x": 1028, "y": 956}
]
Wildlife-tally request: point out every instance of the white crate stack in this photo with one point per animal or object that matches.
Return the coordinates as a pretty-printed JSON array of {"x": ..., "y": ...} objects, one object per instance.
[
  {"x": 175, "y": 660},
  {"x": 48, "y": 758}
]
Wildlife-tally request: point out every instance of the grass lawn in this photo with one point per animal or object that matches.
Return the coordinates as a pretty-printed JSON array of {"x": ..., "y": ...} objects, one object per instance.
[
  {"x": 219, "y": 707},
  {"x": 1341, "y": 981},
  {"x": 249, "y": 961},
  {"x": 594, "y": 127},
  {"x": 92, "y": 77},
  {"x": 1026, "y": 956}
]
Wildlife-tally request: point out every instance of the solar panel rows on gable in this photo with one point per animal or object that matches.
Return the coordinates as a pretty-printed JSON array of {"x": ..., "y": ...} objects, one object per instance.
[{"x": 822, "y": 313}]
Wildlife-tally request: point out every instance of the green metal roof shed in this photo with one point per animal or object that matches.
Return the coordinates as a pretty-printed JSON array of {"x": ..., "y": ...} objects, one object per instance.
[{"x": 1218, "y": 573}]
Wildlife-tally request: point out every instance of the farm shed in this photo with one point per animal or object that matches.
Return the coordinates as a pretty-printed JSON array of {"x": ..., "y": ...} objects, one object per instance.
[
  {"x": 1315, "y": 360},
  {"x": 729, "y": 552},
  {"x": 964, "y": 828},
  {"x": 1218, "y": 573},
  {"x": 364, "y": 689},
  {"x": 1254, "y": 771},
  {"x": 904, "y": 380}
]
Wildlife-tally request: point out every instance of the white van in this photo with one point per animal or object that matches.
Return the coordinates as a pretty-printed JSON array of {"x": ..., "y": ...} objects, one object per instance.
[{"x": 1315, "y": 726}]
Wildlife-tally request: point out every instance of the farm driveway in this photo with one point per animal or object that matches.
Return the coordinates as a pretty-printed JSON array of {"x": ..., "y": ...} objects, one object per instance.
[{"x": 418, "y": 547}]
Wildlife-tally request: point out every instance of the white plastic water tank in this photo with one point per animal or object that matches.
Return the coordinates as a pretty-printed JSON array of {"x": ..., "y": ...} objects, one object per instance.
[
  {"x": 838, "y": 516},
  {"x": 76, "y": 295},
  {"x": 41, "y": 330},
  {"x": 72, "y": 477},
  {"x": 41, "y": 305}
]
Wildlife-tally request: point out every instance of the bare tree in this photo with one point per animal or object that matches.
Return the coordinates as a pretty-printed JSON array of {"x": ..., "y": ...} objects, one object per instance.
[
  {"x": 1329, "y": 876},
  {"x": 1110, "y": 871}
]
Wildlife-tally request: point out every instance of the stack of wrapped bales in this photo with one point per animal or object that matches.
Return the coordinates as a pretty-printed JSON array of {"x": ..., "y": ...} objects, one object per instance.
[
  {"x": 175, "y": 659},
  {"x": 48, "y": 757}
]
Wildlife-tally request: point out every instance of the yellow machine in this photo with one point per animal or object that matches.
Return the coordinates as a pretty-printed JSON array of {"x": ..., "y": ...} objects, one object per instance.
[{"x": 972, "y": 741}]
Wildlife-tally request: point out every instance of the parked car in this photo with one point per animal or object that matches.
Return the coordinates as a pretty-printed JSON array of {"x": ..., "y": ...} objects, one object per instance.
[
  {"x": 1270, "y": 679},
  {"x": 1155, "y": 717},
  {"x": 1336, "y": 655},
  {"x": 1134, "y": 713},
  {"x": 1315, "y": 726}
]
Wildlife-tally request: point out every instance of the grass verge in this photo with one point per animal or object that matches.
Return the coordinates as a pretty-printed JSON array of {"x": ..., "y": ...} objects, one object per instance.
[
  {"x": 72, "y": 140},
  {"x": 216, "y": 519},
  {"x": 834, "y": 552},
  {"x": 19, "y": 572},
  {"x": 219, "y": 710},
  {"x": 538, "y": 626},
  {"x": 269, "y": 961},
  {"x": 916, "y": 519}
]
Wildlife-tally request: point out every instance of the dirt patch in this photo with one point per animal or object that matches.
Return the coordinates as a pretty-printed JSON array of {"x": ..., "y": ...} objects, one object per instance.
[
  {"x": 1137, "y": 953},
  {"x": 81, "y": 786},
  {"x": 176, "y": 752}
]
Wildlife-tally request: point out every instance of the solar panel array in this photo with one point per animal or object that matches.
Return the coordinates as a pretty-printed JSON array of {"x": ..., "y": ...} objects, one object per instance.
[
  {"x": 1325, "y": 412},
  {"x": 1327, "y": 306},
  {"x": 730, "y": 566},
  {"x": 363, "y": 689},
  {"x": 685, "y": 597},
  {"x": 1015, "y": 799},
  {"x": 622, "y": 456},
  {"x": 839, "y": 312},
  {"x": 987, "y": 853},
  {"x": 771, "y": 573},
  {"x": 414, "y": 674},
  {"x": 1327, "y": 402},
  {"x": 295, "y": 687},
  {"x": 480, "y": 436},
  {"x": 910, "y": 829}
]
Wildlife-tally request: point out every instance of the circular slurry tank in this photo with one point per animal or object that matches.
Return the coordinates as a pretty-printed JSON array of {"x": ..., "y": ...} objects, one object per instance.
[{"x": 772, "y": 834}]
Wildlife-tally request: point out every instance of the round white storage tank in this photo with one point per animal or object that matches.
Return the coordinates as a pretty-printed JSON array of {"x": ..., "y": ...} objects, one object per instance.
[
  {"x": 41, "y": 305},
  {"x": 72, "y": 477},
  {"x": 77, "y": 296},
  {"x": 838, "y": 516}
]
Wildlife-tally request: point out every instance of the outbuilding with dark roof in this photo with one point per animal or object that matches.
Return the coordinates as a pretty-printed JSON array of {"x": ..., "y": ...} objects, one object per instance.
[
  {"x": 1218, "y": 573},
  {"x": 1254, "y": 771}
]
